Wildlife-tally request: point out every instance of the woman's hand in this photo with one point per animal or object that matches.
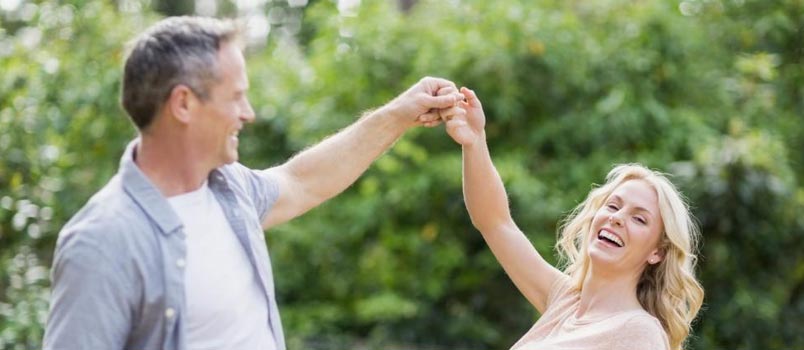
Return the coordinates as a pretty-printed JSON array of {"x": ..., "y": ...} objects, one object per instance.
[{"x": 466, "y": 121}]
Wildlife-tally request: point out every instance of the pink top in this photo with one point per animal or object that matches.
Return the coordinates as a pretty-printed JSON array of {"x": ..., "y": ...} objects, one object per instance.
[{"x": 558, "y": 329}]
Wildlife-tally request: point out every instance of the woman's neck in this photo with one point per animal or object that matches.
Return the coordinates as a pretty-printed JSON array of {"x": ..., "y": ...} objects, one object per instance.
[{"x": 603, "y": 295}]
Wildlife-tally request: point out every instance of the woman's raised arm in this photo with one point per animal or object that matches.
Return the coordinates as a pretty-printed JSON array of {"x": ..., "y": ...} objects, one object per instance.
[{"x": 487, "y": 203}]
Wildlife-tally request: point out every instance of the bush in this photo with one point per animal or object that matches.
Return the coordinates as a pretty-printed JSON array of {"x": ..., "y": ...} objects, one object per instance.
[{"x": 707, "y": 91}]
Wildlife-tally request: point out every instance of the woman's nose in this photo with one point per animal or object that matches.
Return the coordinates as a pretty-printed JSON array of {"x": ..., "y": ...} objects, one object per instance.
[{"x": 615, "y": 219}]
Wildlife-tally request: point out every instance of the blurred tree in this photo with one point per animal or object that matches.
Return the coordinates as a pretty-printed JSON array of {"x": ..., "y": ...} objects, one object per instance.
[
  {"x": 709, "y": 91},
  {"x": 174, "y": 7},
  {"x": 571, "y": 88},
  {"x": 406, "y": 5},
  {"x": 61, "y": 132}
]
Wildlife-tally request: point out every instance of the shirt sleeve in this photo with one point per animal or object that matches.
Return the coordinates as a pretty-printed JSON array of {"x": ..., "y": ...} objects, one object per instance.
[
  {"x": 90, "y": 302},
  {"x": 263, "y": 190}
]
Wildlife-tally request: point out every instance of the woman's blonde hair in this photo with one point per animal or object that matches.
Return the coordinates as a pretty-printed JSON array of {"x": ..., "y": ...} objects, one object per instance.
[{"x": 667, "y": 290}]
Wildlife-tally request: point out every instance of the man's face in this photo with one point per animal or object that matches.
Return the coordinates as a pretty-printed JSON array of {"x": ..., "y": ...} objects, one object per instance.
[{"x": 220, "y": 118}]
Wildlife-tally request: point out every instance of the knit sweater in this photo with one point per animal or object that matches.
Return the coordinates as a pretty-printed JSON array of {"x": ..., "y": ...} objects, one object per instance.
[{"x": 558, "y": 329}]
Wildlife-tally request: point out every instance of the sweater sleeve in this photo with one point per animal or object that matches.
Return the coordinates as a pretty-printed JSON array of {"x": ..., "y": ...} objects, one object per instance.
[
  {"x": 559, "y": 288},
  {"x": 642, "y": 332}
]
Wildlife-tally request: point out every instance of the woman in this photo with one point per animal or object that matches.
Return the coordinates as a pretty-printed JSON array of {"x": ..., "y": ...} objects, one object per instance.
[{"x": 629, "y": 248}]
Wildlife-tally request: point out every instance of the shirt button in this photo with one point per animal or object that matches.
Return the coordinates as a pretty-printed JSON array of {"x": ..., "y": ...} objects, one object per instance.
[
  {"x": 169, "y": 312},
  {"x": 181, "y": 263}
]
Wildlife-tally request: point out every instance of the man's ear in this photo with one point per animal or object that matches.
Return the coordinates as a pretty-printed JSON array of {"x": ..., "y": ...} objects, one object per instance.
[{"x": 180, "y": 103}]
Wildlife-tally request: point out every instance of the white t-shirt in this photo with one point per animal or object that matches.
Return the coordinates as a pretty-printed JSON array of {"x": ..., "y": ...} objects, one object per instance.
[{"x": 226, "y": 309}]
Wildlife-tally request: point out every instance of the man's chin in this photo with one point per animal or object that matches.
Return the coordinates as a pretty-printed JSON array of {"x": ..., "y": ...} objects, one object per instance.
[{"x": 229, "y": 159}]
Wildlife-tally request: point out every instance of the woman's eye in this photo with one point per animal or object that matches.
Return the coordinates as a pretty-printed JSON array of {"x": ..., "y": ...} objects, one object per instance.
[
  {"x": 612, "y": 207},
  {"x": 641, "y": 220}
]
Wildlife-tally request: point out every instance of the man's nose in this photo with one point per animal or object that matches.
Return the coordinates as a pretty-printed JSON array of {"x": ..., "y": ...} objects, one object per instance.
[{"x": 248, "y": 113}]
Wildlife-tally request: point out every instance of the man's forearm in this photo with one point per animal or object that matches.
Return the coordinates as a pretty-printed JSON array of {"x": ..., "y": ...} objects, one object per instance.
[
  {"x": 328, "y": 168},
  {"x": 332, "y": 165}
]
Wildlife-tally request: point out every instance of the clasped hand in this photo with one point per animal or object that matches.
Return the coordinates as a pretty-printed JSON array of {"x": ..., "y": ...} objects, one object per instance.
[
  {"x": 432, "y": 101},
  {"x": 465, "y": 120}
]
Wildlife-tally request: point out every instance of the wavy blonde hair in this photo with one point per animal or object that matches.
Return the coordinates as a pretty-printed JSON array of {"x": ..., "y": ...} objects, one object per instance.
[{"x": 667, "y": 290}]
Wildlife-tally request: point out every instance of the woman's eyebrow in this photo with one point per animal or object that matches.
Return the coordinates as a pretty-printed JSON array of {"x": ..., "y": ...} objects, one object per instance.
[{"x": 638, "y": 208}]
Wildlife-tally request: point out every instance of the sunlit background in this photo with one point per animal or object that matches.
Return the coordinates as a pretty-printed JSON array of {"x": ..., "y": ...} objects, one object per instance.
[{"x": 709, "y": 91}]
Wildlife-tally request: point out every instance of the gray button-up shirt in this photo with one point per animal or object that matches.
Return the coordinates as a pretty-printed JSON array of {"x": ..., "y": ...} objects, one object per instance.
[{"x": 118, "y": 270}]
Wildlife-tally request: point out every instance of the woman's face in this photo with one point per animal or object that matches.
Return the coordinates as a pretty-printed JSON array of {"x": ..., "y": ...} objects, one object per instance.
[{"x": 625, "y": 231}]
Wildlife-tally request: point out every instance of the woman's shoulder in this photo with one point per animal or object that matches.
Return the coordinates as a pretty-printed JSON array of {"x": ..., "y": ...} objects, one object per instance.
[
  {"x": 561, "y": 289},
  {"x": 641, "y": 330}
]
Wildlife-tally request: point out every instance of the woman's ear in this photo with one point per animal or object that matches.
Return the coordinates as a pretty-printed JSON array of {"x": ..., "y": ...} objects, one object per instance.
[{"x": 656, "y": 256}]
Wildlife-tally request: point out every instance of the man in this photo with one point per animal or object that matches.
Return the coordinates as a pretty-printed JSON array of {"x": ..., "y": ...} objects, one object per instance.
[{"x": 170, "y": 254}]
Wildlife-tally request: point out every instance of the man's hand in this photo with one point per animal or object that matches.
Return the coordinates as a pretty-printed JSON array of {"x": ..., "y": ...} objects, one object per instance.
[{"x": 419, "y": 105}]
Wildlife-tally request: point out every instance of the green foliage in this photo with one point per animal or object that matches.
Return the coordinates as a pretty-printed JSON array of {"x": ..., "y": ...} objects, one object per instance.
[
  {"x": 570, "y": 88},
  {"x": 708, "y": 91},
  {"x": 61, "y": 133}
]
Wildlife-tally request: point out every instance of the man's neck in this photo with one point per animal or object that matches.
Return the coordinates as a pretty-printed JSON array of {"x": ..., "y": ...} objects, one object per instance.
[{"x": 170, "y": 165}]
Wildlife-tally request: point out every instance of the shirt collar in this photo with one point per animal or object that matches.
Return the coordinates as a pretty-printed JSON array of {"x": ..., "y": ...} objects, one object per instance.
[{"x": 145, "y": 194}]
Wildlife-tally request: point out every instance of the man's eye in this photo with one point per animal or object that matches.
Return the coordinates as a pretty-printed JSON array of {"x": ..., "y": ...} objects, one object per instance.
[
  {"x": 641, "y": 220},
  {"x": 612, "y": 207}
]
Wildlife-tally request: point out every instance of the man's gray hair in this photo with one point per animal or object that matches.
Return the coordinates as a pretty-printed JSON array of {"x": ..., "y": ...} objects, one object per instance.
[{"x": 174, "y": 51}]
